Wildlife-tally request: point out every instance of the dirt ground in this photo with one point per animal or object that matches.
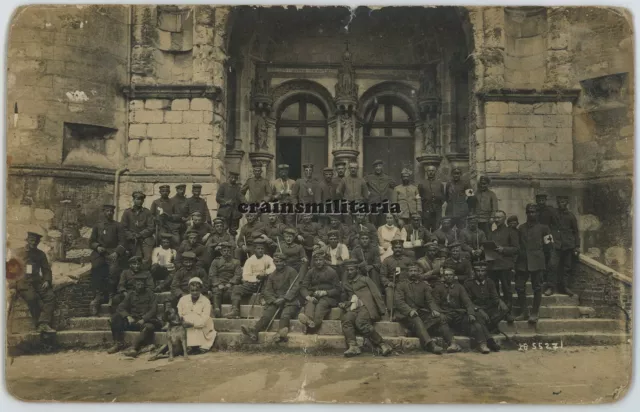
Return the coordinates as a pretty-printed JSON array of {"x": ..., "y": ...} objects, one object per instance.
[{"x": 570, "y": 375}]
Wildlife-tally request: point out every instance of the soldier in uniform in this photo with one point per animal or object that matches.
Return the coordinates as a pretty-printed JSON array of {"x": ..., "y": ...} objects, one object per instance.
[
  {"x": 225, "y": 272},
  {"x": 192, "y": 243},
  {"x": 107, "y": 242},
  {"x": 182, "y": 276},
  {"x": 431, "y": 193},
  {"x": 406, "y": 194},
  {"x": 530, "y": 264},
  {"x": 567, "y": 247},
  {"x": 321, "y": 292},
  {"x": 367, "y": 255},
  {"x": 163, "y": 212},
  {"x": 254, "y": 273},
  {"x": 327, "y": 186},
  {"x": 355, "y": 187},
  {"x": 472, "y": 239},
  {"x": 294, "y": 253},
  {"x": 363, "y": 306},
  {"x": 335, "y": 225},
  {"x": 458, "y": 263},
  {"x": 446, "y": 234},
  {"x": 459, "y": 311},
  {"x": 338, "y": 181},
  {"x": 361, "y": 224},
  {"x": 137, "y": 312},
  {"x": 502, "y": 258},
  {"x": 179, "y": 206},
  {"x": 127, "y": 283},
  {"x": 258, "y": 187},
  {"x": 252, "y": 225},
  {"x": 35, "y": 285},
  {"x": 456, "y": 193},
  {"x": 487, "y": 204},
  {"x": 218, "y": 236},
  {"x": 163, "y": 263},
  {"x": 282, "y": 190},
  {"x": 138, "y": 224},
  {"x": 489, "y": 307},
  {"x": 308, "y": 233},
  {"x": 548, "y": 216},
  {"x": 430, "y": 265},
  {"x": 418, "y": 236},
  {"x": 197, "y": 204},
  {"x": 417, "y": 311},
  {"x": 307, "y": 189},
  {"x": 281, "y": 295},
  {"x": 394, "y": 270},
  {"x": 228, "y": 198},
  {"x": 202, "y": 228},
  {"x": 380, "y": 186},
  {"x": 274, "y": 229}
]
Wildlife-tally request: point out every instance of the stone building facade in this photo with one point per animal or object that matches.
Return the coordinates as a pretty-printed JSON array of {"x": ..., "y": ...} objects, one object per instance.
[{"x": 105, "y": 100}]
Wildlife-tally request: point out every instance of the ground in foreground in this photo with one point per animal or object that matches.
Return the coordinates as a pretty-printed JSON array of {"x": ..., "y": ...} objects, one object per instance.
[{"x": 570, "y": 375}]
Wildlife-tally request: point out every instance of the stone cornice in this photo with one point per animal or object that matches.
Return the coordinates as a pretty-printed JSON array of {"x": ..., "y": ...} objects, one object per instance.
[
  {"x": 529, "y": 95},
  {"x": 172, "y": 91},
  {"x": 108, "y": 175},
  {"x": 575, "y": 180}
]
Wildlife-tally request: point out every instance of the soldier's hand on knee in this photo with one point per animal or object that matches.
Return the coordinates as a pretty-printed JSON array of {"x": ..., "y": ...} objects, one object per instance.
[
  {"x": 435, "y": 314},
  {"x": 279, "y": 301},
  {"x": 130, "y": 319},
  {"x": 342, "y": 305},
  {"x": 472, "y": 318},
  {"x": 413, "y": 314},
  {"x": 502, "y": 306},
  {"x": 221, "y": 287}
]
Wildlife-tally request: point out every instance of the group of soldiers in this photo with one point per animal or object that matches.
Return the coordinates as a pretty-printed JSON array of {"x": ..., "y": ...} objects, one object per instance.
[{"x": 447, "y": 268}]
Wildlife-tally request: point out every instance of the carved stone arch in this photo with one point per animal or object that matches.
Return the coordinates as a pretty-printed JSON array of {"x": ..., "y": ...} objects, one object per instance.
[
  {"x": 283, "y": 92},
  {"x": 402, "y": 94}
]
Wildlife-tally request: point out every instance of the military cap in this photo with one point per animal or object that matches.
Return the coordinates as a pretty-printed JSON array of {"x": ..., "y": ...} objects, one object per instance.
[
  {"x": 415, "y": 215},
  {"x": 480, "y": 264},
  {"x": 397, "y": 239},
  {"x": 485, "y": 178},
  {"x": 188, "y": 255},
  {"x": 333, "y": 233},
  {"x": 138, "y": 194},
  {"x": 454, "y": 244},
  {"x": 279, "y": 256},
  {"x": 412, "y": 264},
  {"x": 258, "y": 241},
  {"x": 340, "y": 163},
  {"x": 350, "y": 262},
  {"x": 512, "y": 218},
  {"x": 141, "y": 276},
  {"x": 290, "y": 231},
  {"x": 406, "y": 172},
  {"x": 531, "y": 206},
  {"x": 456, "y": 169},
  {"x": 163, "y": 187},
  {"x": 181, "y": 185},
  {"x": 541, "y": 196},
  {"x": 327, "y": 169},
  {"x": 364, "y": 232},
  {"x": 195, "y": 280},
  {"x": 165, "y": 236},
  {"x": 318, "y": 253},
  {"x": 232, "y": 173},
  {"x": 190, "y": 232},
  {"x": 283, "y": 166},
  {"x": 432, "y": 245},
  {"x": 307, "y": 166},
  {"x": 377, "y": 162},
  {"x": 35, "y": 235},
  {"x": 562, "y": 197},
  {"x": 108, "y": 206},
  {"x": 197, "y": 186},
  {"x": 193, "y": 214},
  {"x": 225, "y": 244},
  {"x": 135, "y": 259},
  {"x": 448, "y": 219},
  {"x": 218, "y": 219}
]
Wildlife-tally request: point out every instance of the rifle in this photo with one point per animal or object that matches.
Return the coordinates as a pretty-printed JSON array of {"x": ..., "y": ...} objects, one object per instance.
[{"x": 280, "y": 308}]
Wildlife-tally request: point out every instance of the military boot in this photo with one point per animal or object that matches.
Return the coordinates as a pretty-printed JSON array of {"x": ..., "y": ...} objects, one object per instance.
[
  {"x": 117, "y": 347},
  {"x": 524, "y": 315},
  {"x": 353, "y": 350},
  {"x": 281, "y": 335},
  {"x": 533, "y": 319},
  {"x": 548, "y": 291},
  {"x": 484, "y": 349},
  {"x": 250, "y": 333},
  {"x": 385, "y": 349},
  {"x": 45, "y": 328},
  {"x": 453, "y": 348},
  {"x": 434, "y": 348},
  {"x": 217, "y": 306},
  {"x": 235, "y": 311},
  {"x": 94, "y": 306},
  {"x": 493, "y": 345},
  {"x": 306, "y": 322}
]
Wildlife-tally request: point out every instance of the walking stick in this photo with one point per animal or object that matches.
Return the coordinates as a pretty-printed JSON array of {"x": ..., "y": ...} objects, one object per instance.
[
  {"x": 280, "y": 308},
  {"x": 255, "y": 297},
  {"x": 393, "y": 297},
  {"x": 279, "y": 247},
  {"x": 245, "y": 245}
]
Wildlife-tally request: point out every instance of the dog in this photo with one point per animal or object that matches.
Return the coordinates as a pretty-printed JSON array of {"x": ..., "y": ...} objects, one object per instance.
[{"x": 176, "y": 335}]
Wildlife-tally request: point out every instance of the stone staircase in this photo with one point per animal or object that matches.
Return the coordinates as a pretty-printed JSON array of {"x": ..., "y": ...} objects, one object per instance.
[{"x": 562, "y": 322}]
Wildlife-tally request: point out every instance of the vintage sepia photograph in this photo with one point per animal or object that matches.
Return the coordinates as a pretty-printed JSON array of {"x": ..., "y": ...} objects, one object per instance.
[{"x": 319, "y": 204}]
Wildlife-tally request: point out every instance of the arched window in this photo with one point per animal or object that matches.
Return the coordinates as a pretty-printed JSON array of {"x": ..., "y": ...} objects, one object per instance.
[
  {"x": 388, "y": 134},
  {"x": 302, "y": 135}
]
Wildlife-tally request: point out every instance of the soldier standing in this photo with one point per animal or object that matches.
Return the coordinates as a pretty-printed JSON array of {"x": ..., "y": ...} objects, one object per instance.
[
  {"x": 138, "y": 224},
  {"x": 35, "y": 286},
  {"x": 407, "y": 196},
  {"x": 308, "y": 233},
  {"x": 282, "y": 190},
  {"x": 380, "y": 186},
  {"x": 197, "y": 204},
  {"x": 294, "y": 254},
  {"x": 502, "y": 258},
  {"x": 225, "y": 272},
  {"x": 548, "y": 216},
  {"x": 530, "y": 264},
  {"x": 487, "y": 203},
  {"x": 229, "y": 198},
  {"x": 180, "y": 213},
  {"x": 321, "y": 291},
  {"x": 258, "y": 187},
  {"x": 107, "y": 242},
  {"x": 163, "y": 212},
  {"x": 446, "y": 234},
  {"x": 432, "y": 195},
  {"x": 567, "y": 247},
  {"x": 363, "y": 306},
  {"x": 456, "y": 193},
  {"x": 307, "y": 189},
  {"x": 472, "y": 239},
  {"x": 355, "y": 187}
]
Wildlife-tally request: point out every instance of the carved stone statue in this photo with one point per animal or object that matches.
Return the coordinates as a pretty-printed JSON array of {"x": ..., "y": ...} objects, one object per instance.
[
  {"x": 346, "y": 130},
  {"x": 427, "y": 128},
  {"x": 427, "y": 83},
  {"x": 346, "y": 88},
  {"x": 261, "y": 133}
]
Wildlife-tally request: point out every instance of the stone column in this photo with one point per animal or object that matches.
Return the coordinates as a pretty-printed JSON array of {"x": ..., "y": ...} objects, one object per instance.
[
  {"x": 347, "y": 139},
  {"x": 263, "y": 126},
  {"x": 427, "y": 131}
]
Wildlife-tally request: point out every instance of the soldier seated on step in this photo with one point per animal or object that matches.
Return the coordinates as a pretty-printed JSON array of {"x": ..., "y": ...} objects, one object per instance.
[
  {"x": 162, "y": 263},
  {"x": 282, "y": 298},
  {"x": 416, "y": 309},
  {"x": 126, "y": 285},
  {"x": 321, "y": 291},
  {"x": 34, "y": 282},
  {"x": 218, "y": 236},
  {"x": 459, "y": 311},
  {"x": 294, "y": 253},
  {"x": 254, "y": 272},
  {"x": 137, "y": 312},
  {"x": 363, "y": 306},
  {"x": 245, "y": 248},
  {"x": 490, "y": 309},
  {"x": 225, "y": 272},
  {"x": 458, "y": 263},
  {"x": 192, "y": 244},
  {"x": 188, "y": 270}
]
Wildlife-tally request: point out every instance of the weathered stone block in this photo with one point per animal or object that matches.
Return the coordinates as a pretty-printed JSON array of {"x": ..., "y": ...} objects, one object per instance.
[
  {"x": 508, "y": 166},
  {"x": 177, "y": 163},
  {"x": 145, "y": 148},
  {"x": 544, "y": 108},
  {"x": 562, "y": 151},
  {"x": 200, "y": 103},
  {"x": 565, "y": 107},
  {"x": 132, "y": 147},
  {"x": 510, "y": 151},
  {"x": 156, "y": 104},
  {"x": 490, "y": 151},
  {"x": 148, "y": 116},
  {"x": 205, "y": 131},
  {"x": 43, "y": 214},
  {"x": 200, "y": 147},
  {"x": 171, "y": 116},
  {"x": 136, "y": 105},
  {"x": 564, "y": 135},
  {"x": 166, "y": 147},
  {"x": 496, "y": 108},
  {"x": 626, "y": 131},
  {"x": 494, "y": 134},
  {"x": 546, "y": 135},
  {"x": 180, "y": 104},
  {"x": 159, "y": 131},
  {"x": 207, "y": 116},
  {"x": 520, "y": 120},
  {"x": 520, "y": 108},
  {"x": 492, "y": 166},
  {"x": 192, "y": 116},
  {"x": 552, "y": 166},
  {"x": 30, "y": 121},
  {"x": 529, "y": 166},
  {"x": 557, "y": 120},
  {"x": 537, "y": 151},
  {"x": 523, "y": 134},
  {"x": 185, "y": 131},
  {"x": 137, "y": 131}
]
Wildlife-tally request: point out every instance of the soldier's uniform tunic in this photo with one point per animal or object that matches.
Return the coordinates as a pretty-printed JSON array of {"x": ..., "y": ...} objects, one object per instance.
[
  {"x": 486, "y": 300},
  {"x": 277, "y": 286},
  {"x": 138, "y": 225},
  {"x": 40, "y": 300},
  {"x": 198, "y": 204},
  {"x": 104, "y": 270},
  {"x": 316, "y": 279},
  {"x": 228, "y": 198},
  {"x": 499, "y": 270},
  {"x": 432, "y": 196},
  {"x": 223, "y": 272},
  {"x": 390, "y": 266}
]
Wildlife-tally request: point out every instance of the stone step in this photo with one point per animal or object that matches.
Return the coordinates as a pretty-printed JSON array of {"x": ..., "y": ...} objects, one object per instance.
[
  {"x": 309, "y": 343},
  {"x": 547, "y": 326}
]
